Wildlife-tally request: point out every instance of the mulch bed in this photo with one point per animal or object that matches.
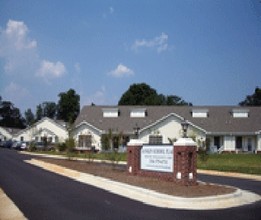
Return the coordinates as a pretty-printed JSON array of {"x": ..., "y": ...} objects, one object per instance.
[{"x": 119, "y": 173}]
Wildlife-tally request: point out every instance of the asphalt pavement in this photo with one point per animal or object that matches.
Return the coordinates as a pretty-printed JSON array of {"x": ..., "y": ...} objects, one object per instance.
[{"x": 40, "y": 194}]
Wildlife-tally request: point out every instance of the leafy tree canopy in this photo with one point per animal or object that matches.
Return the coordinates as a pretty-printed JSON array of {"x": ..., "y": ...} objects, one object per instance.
[
  {"x": 10, "y": 116},
  {"x": 143, "y": 94},
  {"x": 252, "y": 100},
  {"x": 29, "y": 117},
  {"x": 68, "y": 106},
  {"x": 46, "y": 109}
]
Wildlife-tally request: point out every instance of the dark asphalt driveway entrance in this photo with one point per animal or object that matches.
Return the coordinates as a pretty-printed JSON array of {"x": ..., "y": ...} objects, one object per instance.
[{"x": 43, "y": 195}]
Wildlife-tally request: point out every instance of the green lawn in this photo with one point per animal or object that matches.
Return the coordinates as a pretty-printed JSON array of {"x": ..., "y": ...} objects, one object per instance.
[{"x": 241, "y": 163}]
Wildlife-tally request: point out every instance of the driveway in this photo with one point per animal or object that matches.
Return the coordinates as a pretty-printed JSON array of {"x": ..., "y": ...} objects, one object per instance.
[{"x": 40, "y": 194}]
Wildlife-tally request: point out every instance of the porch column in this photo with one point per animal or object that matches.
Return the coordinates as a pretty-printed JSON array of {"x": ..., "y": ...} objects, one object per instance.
[{"x": 258, "y": 147}]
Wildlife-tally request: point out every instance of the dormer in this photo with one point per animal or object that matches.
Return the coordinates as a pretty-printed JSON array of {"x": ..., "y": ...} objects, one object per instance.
[
  {"x": 199, "y": 113},
  {"x": 240, "y": 113},
  {"x": 110, "y": 112},
  {"x": 138, "y": 113}
]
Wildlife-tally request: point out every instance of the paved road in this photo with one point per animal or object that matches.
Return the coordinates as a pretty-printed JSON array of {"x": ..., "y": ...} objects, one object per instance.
[{"x": 43, "y": 195}]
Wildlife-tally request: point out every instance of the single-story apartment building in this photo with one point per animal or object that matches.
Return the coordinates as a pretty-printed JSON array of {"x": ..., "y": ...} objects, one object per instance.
[
  {"x": 222, "y": 128},
  {"x": 54, "y": 131},
  {"x": 8, "y": 133}
]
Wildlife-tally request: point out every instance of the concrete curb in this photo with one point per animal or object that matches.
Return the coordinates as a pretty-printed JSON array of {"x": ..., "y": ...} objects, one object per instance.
[
  {"x": 230, "y": 174},
  {"x": 150, "y": 197},
  {"x": 8, "y": 210}
]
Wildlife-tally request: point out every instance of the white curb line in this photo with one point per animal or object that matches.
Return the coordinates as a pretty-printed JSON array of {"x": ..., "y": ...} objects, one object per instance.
[
  {"x": 150, "y": 197},
  {"x": 8, "y": 210}
]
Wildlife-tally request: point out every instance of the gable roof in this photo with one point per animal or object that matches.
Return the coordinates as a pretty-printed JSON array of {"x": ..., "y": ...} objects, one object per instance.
[
  {"x": 219, "y": 120},
  {"x": 11, "y": 131},
  {"x": 58, "y": 123}
]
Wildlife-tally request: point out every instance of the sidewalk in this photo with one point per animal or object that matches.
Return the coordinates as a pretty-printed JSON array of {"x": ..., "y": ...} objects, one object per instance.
[{"x": 8, "y": 210}]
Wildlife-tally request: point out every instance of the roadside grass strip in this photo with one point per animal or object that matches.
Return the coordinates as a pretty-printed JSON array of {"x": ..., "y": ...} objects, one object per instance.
[{"x": 150, "y": 197}]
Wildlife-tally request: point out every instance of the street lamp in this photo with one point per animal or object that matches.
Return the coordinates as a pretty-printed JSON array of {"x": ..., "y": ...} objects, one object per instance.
[
  {"x": 136, "y": 131},
  {"x": 184, "y": 125}
]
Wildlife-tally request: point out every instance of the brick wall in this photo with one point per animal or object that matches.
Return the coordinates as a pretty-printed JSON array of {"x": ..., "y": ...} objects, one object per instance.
[{"x": 184, "y": 172}]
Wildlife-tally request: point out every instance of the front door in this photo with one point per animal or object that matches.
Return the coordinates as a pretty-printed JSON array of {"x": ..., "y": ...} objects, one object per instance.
[
  {"x": 217, "y": 142},
  {"x": 239, "y": 143},
  {"x": 249, "y": 144}
]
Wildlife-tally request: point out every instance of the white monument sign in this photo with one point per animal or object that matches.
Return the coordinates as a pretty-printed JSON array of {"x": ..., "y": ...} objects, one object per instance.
[{"x": 157, "y": 158}]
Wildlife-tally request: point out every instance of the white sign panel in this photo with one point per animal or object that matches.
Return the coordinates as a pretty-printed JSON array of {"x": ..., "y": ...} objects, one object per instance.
[{"x": 157, "y": 158}]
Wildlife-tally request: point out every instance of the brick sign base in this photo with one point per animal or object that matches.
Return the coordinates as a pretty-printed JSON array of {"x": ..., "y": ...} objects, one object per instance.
[{"x": 184, "y": 154}]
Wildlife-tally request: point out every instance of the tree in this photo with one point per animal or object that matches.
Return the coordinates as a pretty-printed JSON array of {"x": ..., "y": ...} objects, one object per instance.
[
  {"x": 175, "y": 100},
  {"x": 49, "y": 109},
  {"x": 252, "y": 100},
  {"x": 46, "y": 109},
  {"x": 10, "y": 116},
  {"x": 68, "y": 106},
  {"x": 139, "y": 94},
  {"x": 39, "y": 112},
  {"x": 29, "y": 117},
  {"x": 143, "y": 94}
]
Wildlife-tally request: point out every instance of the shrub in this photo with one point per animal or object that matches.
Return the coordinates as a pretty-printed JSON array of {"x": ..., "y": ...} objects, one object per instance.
[
  {"x": 61, "y": 147},
  {"x": 203, "y": 155},
  {"x": 32, "y": 147}
]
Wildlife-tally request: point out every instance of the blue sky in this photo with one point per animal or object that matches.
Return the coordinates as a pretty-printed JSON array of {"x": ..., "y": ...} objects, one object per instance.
[{"x": 207, "y": 52}]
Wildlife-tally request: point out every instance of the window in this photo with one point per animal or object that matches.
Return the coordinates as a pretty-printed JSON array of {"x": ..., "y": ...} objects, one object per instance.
[
  {"x": 138, "y": 113},
  {"x": 200, "y": 113},
  {"x": 56, "y": 139},
  {"x": 155, "y": 139},
  {"x": 110, "y": 112},
  {"x": 49, "y": 139},
  {"x": 240, "y": 113},
  {"x": 85, "y": 141}
]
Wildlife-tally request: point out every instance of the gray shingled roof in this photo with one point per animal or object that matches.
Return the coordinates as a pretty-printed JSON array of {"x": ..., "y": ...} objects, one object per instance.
[{"x": 219, "y": 118}]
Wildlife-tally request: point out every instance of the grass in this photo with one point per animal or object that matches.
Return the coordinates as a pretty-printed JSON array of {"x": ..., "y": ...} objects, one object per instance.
[
  {"x": 90, "y": 156},
  {"x": 240, "y": 163}
]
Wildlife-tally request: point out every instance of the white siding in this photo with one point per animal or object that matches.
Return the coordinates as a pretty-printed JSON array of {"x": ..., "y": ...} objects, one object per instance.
[
  {"x": 46, "y": 127},
  {"x": 4, "y": 135},
  {"x": 85, "y": 129},
  {"x": 229, "y": 143},
  {"x": 170, "y": 128},
  {"x": 258, "y": 142}
]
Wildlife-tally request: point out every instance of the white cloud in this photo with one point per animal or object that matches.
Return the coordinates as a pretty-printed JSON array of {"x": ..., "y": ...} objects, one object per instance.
[
  {"x": 77, "y": 67},
  {"x": 15, "y": 92},
  {"x": 159, "y": 43},
  {"x": 17, "y": 49},
  {"x": 98, "y": 98},
  {"x": 109, "y": 12},
  {"x": 111, "y": 9},
  {"x": 49, "y": 70},
  {"x": 16, "y": 32},
  {"x": 121, "y": 71},
  {"x": 20, "y": 55}
]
